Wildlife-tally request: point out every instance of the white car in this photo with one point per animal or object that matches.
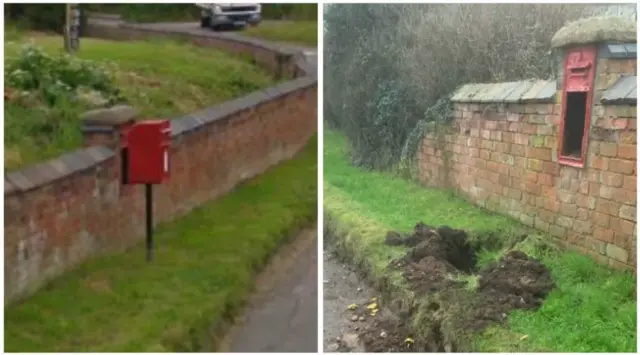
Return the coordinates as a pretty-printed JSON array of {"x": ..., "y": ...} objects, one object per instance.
[{"x": 234, "y": 15}]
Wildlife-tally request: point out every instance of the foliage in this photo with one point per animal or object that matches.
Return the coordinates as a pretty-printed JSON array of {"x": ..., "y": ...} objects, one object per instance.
[
  {"x": 415, "y": 59},
  {"x": 183, "y": 80},
  {"x": 43, "y": 17},
  {"x": 363, "y": 95},
  {"x": 54, "y": 77}
]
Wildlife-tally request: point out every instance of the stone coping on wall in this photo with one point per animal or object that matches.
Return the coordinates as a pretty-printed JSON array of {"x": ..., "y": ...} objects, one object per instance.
[
  {"x": 524, "y": 91},
  {"x": 47, "y": 172},
  {"x": 623, "y": 91},
  {"x": 197, "y": 119},
  {"x": 44, "y": 173}
]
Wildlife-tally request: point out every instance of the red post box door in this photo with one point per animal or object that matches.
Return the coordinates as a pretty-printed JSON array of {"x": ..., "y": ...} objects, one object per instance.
[
  {"x": 148, "y": 152},
  {"x": 579, "y": 69}
]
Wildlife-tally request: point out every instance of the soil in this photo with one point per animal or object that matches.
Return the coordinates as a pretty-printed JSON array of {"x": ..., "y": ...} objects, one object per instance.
[{"x": 440, "y": 266}]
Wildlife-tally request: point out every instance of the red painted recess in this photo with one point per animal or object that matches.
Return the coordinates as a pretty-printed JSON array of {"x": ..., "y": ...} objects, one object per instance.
[{"x": 579, "y": 71}]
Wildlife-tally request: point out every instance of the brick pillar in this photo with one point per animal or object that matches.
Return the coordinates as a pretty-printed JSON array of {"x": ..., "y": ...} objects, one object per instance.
[{"x": 101, "y": 127}]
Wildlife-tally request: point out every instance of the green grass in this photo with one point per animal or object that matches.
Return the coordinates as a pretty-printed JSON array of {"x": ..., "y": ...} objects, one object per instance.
[
  {"x": 296, "y": 32},
  {"x": 203, "y": 269},
  {"x": 189, "y": 12},
  {"x": 160, "y": 78},
  {"x": 592, "y": 310}
]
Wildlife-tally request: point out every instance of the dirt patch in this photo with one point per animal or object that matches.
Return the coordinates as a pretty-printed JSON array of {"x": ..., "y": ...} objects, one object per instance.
[{"x": 457, "y": 299}]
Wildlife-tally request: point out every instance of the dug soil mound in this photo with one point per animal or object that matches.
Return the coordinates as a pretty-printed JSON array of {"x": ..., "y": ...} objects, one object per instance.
[{"x": 456, "y": 299}]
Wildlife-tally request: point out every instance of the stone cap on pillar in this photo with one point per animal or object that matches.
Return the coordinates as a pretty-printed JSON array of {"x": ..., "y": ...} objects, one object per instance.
[
  {"x": 596, "y": 29},
  {"x": 102, "y": 126}
]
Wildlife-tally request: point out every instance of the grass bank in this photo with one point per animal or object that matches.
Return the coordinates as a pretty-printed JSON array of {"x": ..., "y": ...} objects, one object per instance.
[
  {"x": 593, "y": 309},
  {"x": 304, "y": 33},
  {"x": 202, "y": 273},
  {"x": 183, "y": 79}
]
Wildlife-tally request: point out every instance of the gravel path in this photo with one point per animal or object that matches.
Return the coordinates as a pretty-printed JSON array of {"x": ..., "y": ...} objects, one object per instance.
[{"x": 342, "y": 287}]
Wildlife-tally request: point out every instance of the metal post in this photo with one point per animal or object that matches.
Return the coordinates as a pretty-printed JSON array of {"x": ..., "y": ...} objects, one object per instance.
[{"x": 149, "y": 211}]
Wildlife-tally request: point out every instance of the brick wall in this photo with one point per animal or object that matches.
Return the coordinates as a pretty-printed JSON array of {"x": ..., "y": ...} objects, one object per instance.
[
  {"x": 502, "y": 155},
  {"x": 62, "y": 212}
]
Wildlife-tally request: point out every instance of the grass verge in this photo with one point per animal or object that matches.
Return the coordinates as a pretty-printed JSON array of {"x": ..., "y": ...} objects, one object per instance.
[
  {"x": 202, "y": 273},
  {"x": 592, "y": 310},
  {"x": 297, "y": 32},
  {"x": 183, "y": 79}
]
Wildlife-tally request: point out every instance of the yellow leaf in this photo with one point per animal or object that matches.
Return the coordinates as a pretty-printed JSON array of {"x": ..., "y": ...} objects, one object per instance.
[
  {"x": 352, "y": 306},
  {"x": 374, "y": 299},
  {"x": 523, "y": 337},
  {"x": 408, "y": 341},
  {"x": 372, "y": 306}
]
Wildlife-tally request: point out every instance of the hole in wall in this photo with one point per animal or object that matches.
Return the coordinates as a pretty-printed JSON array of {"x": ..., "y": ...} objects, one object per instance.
[{"x": 574, "y": 124}]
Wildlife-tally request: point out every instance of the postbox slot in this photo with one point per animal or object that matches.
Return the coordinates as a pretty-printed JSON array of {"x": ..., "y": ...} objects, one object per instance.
[{"x": 579, "y": 71}]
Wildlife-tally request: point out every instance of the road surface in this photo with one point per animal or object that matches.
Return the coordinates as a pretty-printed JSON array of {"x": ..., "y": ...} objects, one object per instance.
[{"x": 282, "y": 315}]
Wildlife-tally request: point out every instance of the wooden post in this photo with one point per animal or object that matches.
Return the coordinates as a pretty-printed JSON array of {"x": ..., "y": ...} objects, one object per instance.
[{"x": 72, "y": 28}]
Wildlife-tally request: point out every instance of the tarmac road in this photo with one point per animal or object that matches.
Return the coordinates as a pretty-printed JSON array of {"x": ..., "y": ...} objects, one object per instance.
[{"x": 282, "y": 315}]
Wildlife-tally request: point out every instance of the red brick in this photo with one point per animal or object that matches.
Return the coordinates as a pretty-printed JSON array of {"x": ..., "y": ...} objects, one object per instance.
[
  {"x": 545, "y": 179},
  {"x": 624, "y": 196},
  {"x": 550, "y": 168},
  {"x": 569, "y": 210},
  {"x": 623, "y": 226},
  {"x": 530, "y": 176},
  {"x": 629, "y": 183},
  {"x": 627, "y": 151},
  {"x": 587, "y": 202},
  {"x": 612, "y": 179},
  {"x": 621, "y": 166},
  {"x": 608, "y": 207},
  {"x": 529, "y": 128},
  {"x": 539, "y": 153},
  {"x": 603, "y": 234},
  {"x": 518, "y": 150},
  {"x": 608, "y": 149},
  {"x": 600, "y": 219},
  {"x": 533, "y": 188},
  {"x": 598, "y": 163},
  {"x": 628, "y": 137}
]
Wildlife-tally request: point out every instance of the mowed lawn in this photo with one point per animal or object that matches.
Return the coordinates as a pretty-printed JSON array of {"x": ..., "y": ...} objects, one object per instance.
[
  {"x": 202, "y": 272},
  {"x": 593, "y": 308},
  {"x": 160, "y": 78},
  {"x": 303, "y": 33}
]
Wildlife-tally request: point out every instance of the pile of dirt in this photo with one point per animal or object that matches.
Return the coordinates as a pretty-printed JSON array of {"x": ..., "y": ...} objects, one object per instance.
[{"x": 441, "y": 267}]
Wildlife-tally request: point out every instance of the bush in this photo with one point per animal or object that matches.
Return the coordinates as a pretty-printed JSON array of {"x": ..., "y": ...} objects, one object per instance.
[{"x": 54, "y": 77}]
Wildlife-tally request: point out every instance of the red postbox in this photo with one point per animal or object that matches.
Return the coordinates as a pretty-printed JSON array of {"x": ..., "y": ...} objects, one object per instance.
[
  {"x": 146, "y": 152},
  {"x": 577, "y": 94}
]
